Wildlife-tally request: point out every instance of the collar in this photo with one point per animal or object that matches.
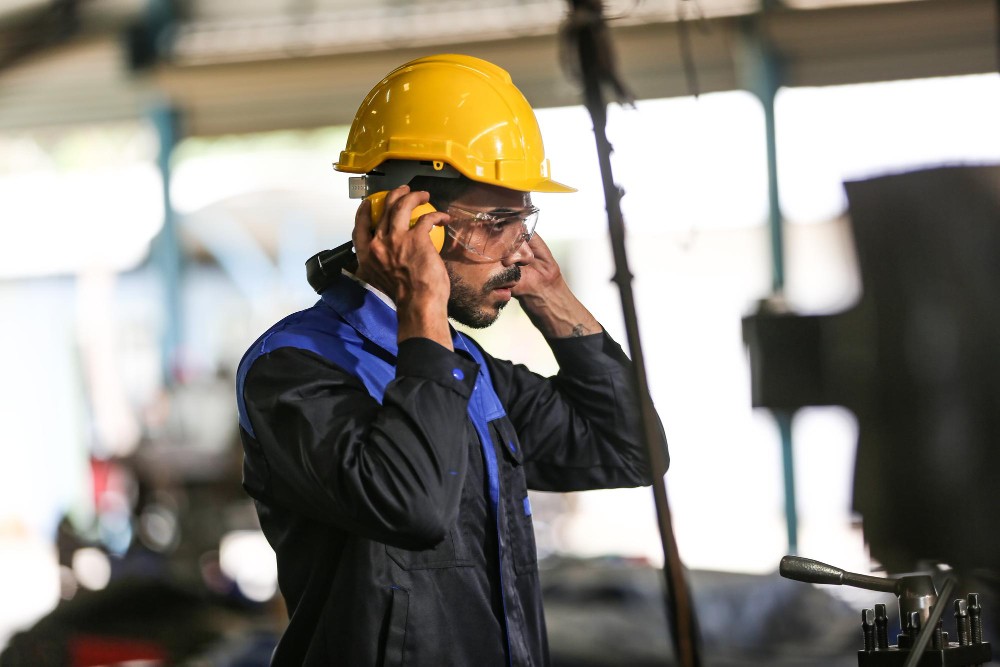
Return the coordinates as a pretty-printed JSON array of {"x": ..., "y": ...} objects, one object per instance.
[
  {"x": 371, "y": 288},
  {"x": 370, "y": 312}
]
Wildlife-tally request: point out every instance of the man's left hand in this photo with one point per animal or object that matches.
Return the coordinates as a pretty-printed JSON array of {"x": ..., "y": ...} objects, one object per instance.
[
  {"x": 542, "y": 275},
  {"x": 547, "y": 299}
]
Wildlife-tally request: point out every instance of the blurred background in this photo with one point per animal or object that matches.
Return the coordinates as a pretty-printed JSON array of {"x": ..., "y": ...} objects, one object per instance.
[{"x": 165, "y": 171}]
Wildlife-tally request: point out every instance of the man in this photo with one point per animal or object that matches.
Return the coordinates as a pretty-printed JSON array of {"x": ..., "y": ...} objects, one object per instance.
[{"x": 388, "y": 455}]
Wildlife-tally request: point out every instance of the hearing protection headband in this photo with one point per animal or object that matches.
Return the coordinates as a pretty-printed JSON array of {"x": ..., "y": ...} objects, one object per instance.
[{"x": 393, "y": 173}]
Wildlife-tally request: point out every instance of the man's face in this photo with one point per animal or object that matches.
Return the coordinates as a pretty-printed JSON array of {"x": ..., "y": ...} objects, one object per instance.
[{"x": 481, "y": 285}]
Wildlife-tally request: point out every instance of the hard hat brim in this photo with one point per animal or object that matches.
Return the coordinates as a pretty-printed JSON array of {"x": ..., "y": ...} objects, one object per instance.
[{"x": 548, "y": 185}]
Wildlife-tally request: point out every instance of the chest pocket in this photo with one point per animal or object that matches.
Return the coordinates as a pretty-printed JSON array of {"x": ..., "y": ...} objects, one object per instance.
[
  {"x": 517, "y": 508},
  {"x": 453, "y": 550},
  {"x": 450, "y": 552}
]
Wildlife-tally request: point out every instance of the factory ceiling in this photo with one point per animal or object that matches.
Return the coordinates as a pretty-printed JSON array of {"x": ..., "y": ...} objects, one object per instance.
[{"x": 232, "y": 66}]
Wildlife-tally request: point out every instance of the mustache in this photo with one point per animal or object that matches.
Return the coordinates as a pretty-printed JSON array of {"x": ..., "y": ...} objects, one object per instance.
[{"x": 509, "y": 275}]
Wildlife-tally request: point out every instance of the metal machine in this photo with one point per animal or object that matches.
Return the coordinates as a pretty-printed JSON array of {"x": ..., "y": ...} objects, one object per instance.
[
  {"x": 916, "y": 361},
  {"x": 922, "y": 640}
]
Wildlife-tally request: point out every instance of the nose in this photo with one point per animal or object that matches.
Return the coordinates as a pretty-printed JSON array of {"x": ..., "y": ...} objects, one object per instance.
[{"x": 521, "y": 256}]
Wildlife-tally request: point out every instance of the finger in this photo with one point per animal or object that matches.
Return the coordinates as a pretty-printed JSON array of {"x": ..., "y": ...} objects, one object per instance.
[
  {"x": 380, "y": 213},
  {"x": 537, "y": 244},
  {"x": 425, "y": 225},
  {"x": 430, "y": 220},
  {"x": 391, "y": 200},
  {"x": 402, "y": 209},
  {"x": 523, "y": 254}
]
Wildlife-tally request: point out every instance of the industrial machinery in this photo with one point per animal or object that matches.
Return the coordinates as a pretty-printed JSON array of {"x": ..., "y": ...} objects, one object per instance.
[
  {"x": 916, "y": 361},
  {"x": 922, "y": 640}
]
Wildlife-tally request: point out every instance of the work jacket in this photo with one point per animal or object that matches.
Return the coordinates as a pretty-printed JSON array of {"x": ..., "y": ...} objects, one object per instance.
[{"x": 393, "y": 489}]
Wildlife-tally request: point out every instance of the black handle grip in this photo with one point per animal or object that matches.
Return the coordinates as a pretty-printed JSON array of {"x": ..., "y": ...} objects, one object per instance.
[
  {"x": 815, "y": 572},
  {"x": 324, "y": 267}
]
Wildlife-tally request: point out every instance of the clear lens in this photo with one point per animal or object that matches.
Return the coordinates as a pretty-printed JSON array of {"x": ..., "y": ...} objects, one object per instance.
[{"x": 492, "y": 236}]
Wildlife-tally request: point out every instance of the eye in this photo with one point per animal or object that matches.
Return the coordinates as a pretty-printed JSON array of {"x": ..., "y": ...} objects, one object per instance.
[{"x": 510, "y": 222}]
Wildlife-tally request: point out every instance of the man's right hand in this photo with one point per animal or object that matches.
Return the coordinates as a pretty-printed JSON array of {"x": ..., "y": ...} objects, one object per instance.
[{"x": 402, "y": 262}]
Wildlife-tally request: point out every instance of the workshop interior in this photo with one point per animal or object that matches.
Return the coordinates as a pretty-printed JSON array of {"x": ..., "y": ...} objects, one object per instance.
[{"x": 808, "y": 198}]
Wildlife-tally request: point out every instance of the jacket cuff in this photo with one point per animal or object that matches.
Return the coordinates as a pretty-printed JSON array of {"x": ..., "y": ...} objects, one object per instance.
[
  {"x": 585, "y": 355},
  {"x": 423, "y": 358}
]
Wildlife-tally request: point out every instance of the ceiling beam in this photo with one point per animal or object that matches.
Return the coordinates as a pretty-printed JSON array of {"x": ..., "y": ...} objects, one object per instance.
[{"x": 818, "y": 47}]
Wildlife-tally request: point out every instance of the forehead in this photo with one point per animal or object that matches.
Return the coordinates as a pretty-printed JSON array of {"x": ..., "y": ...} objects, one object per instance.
[{"x": 481, "y": 196}]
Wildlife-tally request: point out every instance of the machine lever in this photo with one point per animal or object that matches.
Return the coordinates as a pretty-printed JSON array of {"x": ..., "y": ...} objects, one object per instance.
[{"x": 815, "y": 572}]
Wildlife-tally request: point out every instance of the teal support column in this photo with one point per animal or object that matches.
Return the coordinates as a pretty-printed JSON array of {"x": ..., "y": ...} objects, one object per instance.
[
  {"x": 762, "y": 76},
  {"x": 146, "y": 42},
  {"x": 784, "y": 420},
  {"x": 166, "y": 249},
  {"x": 775, "y": 223}
]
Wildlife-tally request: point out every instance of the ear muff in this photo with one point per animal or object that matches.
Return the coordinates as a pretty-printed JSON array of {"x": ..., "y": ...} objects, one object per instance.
[{"x": 378, "y": 206}]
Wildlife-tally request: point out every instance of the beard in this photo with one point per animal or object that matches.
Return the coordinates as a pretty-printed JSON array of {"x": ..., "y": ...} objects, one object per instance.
[{"x": 476, "y": 308}]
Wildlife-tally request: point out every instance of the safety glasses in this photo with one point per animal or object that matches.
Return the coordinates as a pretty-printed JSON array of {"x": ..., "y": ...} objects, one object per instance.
[{"x": 493, "y": 235}]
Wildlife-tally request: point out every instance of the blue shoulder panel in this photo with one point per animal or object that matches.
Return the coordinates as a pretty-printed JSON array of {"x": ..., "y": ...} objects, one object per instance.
[{"x": 319, "y": 330}]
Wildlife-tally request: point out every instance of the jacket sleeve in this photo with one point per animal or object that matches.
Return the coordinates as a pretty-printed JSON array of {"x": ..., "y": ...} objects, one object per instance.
[
  {"x": 580, "y": 429},
  {"x": 325, "y": 448}
]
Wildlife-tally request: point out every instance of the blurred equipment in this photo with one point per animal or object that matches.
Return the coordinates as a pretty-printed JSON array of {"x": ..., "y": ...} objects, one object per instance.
[
  {"x": 916, "y": 360},
  {"x": 34, "y": 27},
  {"x": 609, "y": 611},
  {"x": 920, "y": 609}
]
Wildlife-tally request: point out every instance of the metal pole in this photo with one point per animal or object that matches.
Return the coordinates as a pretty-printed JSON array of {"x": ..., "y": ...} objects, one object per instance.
[
  {"x": 764, "y": 80},
  {"x": 591, "y": 41},
  {"x": 166, "y": 250},
  {"x": 784, "y": 420}
]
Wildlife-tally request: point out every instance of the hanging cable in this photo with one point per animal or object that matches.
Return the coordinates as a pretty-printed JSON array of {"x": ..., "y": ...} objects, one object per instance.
[{"x": 684, "y": 44}]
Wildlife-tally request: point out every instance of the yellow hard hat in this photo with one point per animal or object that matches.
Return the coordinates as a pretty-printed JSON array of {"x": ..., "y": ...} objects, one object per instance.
[{"x": 452, "y": 110}]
